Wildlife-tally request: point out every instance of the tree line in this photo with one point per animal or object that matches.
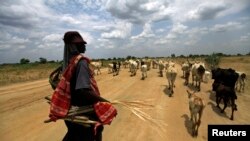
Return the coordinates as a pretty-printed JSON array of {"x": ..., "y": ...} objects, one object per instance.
[{"x": 209, "y": 58}]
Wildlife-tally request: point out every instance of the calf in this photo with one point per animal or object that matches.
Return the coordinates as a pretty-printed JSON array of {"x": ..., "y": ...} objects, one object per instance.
[{"x": 196, "y": 107}]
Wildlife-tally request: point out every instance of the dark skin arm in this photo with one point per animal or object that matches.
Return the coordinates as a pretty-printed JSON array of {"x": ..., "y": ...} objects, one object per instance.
[{"x": 90, "y": 95}]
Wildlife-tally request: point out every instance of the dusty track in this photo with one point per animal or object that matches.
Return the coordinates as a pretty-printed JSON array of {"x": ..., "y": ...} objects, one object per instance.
[{"x": 23, "y": 109}]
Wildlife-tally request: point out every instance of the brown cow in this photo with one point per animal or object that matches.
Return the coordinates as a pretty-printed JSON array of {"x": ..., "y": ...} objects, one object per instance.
[{"x": 196, "y": 107}]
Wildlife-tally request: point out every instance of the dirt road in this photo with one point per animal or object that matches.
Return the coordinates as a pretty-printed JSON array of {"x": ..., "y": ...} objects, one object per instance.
[{"x": 23, "y": 110}]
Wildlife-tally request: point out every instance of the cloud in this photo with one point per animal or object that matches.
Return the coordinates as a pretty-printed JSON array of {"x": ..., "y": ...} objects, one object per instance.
[
  {"x": 188, "y": 10},
  {"x": 114, "y": 27},
  {"x": 139, "y": 12},
  {"x": 207, "y": 11},
  {"x": 69, "y": 19},
  {"x": 23, "y": 14},
  {"x": 120, "y": 30},
  {"x": 226, "y": 27},
  {"x": 245, "y": 38},
  {"x": 146, "y": 33},
  {"x": 52, "y": 38}
]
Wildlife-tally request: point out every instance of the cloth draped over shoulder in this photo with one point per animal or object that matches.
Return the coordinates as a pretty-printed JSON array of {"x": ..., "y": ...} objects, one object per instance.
[{"x": 60, "y": 102}]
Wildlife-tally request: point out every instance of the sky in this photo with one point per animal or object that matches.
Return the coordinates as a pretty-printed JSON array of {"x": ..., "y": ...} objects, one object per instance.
[{"x": 120, "y": 28}]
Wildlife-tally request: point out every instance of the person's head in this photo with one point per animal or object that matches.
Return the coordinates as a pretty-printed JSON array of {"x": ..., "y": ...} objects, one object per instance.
[{"x": 74, "y": 44}]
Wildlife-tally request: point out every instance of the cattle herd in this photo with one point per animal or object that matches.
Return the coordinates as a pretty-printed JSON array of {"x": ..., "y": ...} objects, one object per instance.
[{"x": 226, "y": 81}]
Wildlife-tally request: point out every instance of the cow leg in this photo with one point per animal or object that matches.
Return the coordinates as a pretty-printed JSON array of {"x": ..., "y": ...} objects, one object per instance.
[
  {"x": 225, "y": 104},
  {"x": 234, "y": 108},
  {"x": 199, "y": 86},
  {"x": 192, "y": 79},
  {"x": 218, "y": 99},
  {"x": 232, "y": 114},
  {"x": 143, "y": 77}
]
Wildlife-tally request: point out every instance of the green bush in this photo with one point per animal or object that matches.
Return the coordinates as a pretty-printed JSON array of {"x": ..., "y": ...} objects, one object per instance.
[{"x": 213, "y": 60}]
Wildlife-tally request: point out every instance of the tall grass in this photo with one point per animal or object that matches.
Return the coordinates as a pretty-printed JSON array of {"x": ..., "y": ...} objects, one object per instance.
[{"x": 16, "y": 73}]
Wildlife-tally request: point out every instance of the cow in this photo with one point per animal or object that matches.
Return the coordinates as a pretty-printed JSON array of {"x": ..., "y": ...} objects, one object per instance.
[
  {"x": 110, "y": 68},
  {"x": 161, "y": 65},
  {"x": 240, "y": 83},
  {"x": 198, "y": 70},
  {"x": 96, "y": 66},
  {"x": 148, "y": 63},
  {"x": 186, "y": 68},
  {"x": 207, "y": 76},
  {"x": 171, "y": 73},
  {"x": 196, "y": 107},
  {"x": 133, "y": 67},
  {"x": 125, "y": 63},
  {"x": 144, "y": 70},
  {"x": 224, "y": 87},
  {"x": 115, "y": 68},
  {"x": 155, "y": 64}
]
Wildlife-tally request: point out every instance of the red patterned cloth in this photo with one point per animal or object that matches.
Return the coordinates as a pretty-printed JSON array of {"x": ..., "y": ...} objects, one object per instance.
[
  {"x": 60, "y": 102},
  {"x": 105, "y": 112}
]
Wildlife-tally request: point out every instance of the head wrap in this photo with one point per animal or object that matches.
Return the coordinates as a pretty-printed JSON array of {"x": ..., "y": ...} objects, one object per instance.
[{"x": 71, "y": 38}]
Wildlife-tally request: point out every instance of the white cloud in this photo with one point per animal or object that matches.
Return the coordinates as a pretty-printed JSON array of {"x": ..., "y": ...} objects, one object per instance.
[
  {"x": 52, "y": 38},
  {"x": 121, "y": 30},
  {"x": 146, "y": 33},
  {"x": 226, "y": 27},
  {"x": 70, "y": 19},
  {"x": 245, "y": 38}
]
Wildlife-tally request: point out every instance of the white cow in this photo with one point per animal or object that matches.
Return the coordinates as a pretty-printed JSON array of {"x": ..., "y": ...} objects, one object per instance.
[
  {"x": 144, "y": 71},
  {"x": 185, "y": 67},
  {"x": 96, "y": 67},
  {"x": 240, "y": 83},
  {"x": 198, "y": 70},
  {"x": 171, "y": 73},
  {"x": 161, "y": 65},
  {"x": 133, "y": 67},
  {"x": 110, "y": 68},
  {"x": 207, "y": 76}
]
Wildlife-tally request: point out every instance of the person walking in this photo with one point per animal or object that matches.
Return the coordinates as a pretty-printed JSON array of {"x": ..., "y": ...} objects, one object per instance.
[{"x": 78, "y": 87}]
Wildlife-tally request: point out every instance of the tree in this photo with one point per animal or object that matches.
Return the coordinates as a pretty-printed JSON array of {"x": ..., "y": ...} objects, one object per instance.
[
  {"x": 173, "y": 55},
  {"x": 213, "y": 60},
  {"x": 43, "y": 60},
  {"x": 182, "y": 56},
  {"x": 24, "y": 61},
  {"x": 128, "y": 57}
]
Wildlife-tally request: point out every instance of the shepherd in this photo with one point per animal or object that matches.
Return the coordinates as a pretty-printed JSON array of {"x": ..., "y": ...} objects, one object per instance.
[{"x": 77, "y": 88}]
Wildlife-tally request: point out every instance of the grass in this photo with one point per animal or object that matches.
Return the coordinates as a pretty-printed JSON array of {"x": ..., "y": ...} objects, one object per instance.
[{"x": 16, "y": 73}]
